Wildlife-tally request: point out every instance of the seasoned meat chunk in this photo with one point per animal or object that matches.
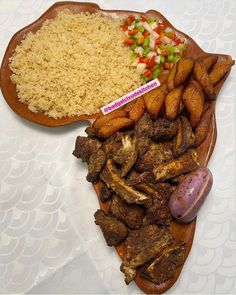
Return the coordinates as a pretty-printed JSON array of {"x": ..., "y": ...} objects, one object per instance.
[
  {"x": 158, "y": 213},
  {"x": 131, "y": 214},
  {"x": 185, "y": 163},
  {"x": 95, "y": 164},
  {"x": 157, "y": 153},
  {"x": 85, "y": 146},
  {"x": 144, "y": 127},
  {"x": 91, "y": 131},
  {"x": 143, "y": 246},
  {"x": 164, "y": 266},
  {"x": 135, "y": 178},
  {"x": 118, "y": 185},
  {"x": 105, "y": 194},
  {"x": 142, "y": 144},
  {"x": 164, "y": 129},
  {"x": 126, "y": 155},
  {"x": 114, "y": 231}
]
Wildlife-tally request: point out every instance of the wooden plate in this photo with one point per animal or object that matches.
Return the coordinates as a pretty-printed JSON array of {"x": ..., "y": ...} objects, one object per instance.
[{"x": 180, "y": 231}]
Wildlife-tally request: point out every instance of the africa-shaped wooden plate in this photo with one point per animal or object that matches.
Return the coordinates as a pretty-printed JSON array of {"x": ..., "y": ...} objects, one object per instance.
[{"x": 180, "y": 231}]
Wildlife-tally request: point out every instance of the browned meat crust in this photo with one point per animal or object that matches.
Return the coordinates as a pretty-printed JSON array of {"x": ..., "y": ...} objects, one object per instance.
[
  {"x": 131, "y": 214},
  {"x": 95, "y": 164},
  {"x": 114, "y": 231},
  {"x": 164, "y": 129},
  {"x": 85, "y": 146}
]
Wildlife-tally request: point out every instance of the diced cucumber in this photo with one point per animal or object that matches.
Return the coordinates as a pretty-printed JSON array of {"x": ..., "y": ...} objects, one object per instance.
[
  {"x": 170, "y": 57},
  {"x": 156, "y": 73},
  {"x": 161, "y": 46},
  {"x": 146, "y": 51},
  {"x": 182, "y": 46},
  {"x": 133, "y": 46},
  {"x": 146, "y": 42},
  {"x": 170, "y": 48},
  {"x": 140, "y": 29},
  {"x": 138, "y": 35},
  {"x": 176, "y": 58},
  {"x": 162, "y": 59},
  {"x": 133, "y": 57}
]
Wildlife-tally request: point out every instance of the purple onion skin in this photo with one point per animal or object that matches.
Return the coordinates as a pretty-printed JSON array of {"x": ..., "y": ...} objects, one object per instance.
[{"x": 190, "y": 194}]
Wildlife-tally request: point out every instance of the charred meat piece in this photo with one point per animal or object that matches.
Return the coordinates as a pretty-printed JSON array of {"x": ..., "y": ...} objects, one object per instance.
[
  {"x": 105, "y": 194},
  {"x": 126, "y": 155},
  {"x": 164, "y": 266},
  {"x": 142, "y": 144},
  {"x": 91, "y": 131},
  {"x": 95, "y": 164},
  {"x": 184, "y": 138},
  {"x": 135, "y": 178},
  {"x": 131, "y": 214},
  {"x": 118, "y": 185},
  {"x": 112, "y": 144},
  {"x": 158, "y": 153},
  {"x": 143, "y": 245},
  {"x": 144, "y": 126},
  {"x": 85, "y": 146},
  {"x": 185, "y": 163},
  {"x": 164, "y": 129},
  {"x": 114, "y": 231}
]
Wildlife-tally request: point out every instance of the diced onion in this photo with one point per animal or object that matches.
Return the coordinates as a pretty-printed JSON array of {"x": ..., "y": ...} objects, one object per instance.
[
  {"x": 141, "y": 67},
  {"x": 158, "y": 59},
  {"x": 166, "y": 40},
  {"x": 154, "y": 35},
  {"x": 153, "y": 25},
  {"x": 168, "y": 30},
  {"x": 139, "y": 50},
  {"x": 151, "y": 54},
  {"x": 152, "y": 43},
  {"x": 147, "y": 27}
]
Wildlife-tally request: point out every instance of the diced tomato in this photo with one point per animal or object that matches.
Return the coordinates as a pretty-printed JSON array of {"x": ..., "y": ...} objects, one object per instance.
[
  {"x": 128, "y": 42},
  {"x": 156, "y": 48},
  {"x": 177, "y": 41},
  {"x": 132, "y": 17},
  {"x": 143, "y": 60},
  {"x": 145, "y": 34},
  {"x": 157, "y": 31},
  {"x": 167, "y": 65},
  {"x": 172, "y": 36},
  {"x": 147, "y": 73},
  {"x": 124, "y": 27},
  {"x": 158, "y": 41},
  {"x": 162, "y": 26},
  {"x": 152, "y": 62},
  {"x": 165, "y": 52},
  {"x": 132, "y": 32},
  {"x": 143, "y": 18}
]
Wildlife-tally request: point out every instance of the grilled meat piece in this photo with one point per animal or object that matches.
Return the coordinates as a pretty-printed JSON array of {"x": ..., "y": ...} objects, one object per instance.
[
  {"x": 158, "y": 213},
  {"x": 164, "y": 266},
  {"x": 144, "y": 126},
  {"x": 131, "y": 214},
  {"x": 91, "y": 131},
  {"x": 141, "y": 246},
  {"x": 114, "y": 231},
  {"x": 143, "y": 144},
  {"x": 185, "y": 163},
  {"x": 118, "y": 185},
  {"x": 135, "y": 178},
  {"x": 158, "y": 153},
  {"x": 184, "y": 138},
  {"x": 95, "y": 164},
  {"x": 105, "y": 194},
  {"x": 112, "y": 144},
  {"x": 126, "y": 155},
  {"x": 164, "y": 129},
  {"x": 85, "y": 146}
]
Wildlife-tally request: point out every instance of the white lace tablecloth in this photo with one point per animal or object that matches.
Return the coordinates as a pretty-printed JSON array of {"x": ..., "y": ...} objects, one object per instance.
[{"x": 48, "y": 240}]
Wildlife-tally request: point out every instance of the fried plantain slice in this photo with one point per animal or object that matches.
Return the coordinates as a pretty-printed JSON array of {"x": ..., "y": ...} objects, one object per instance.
[
  {"x": 114, "y": 125},
  {"x": 208, "y": 61},
  {"x": 185, "y": 163},
  {"x": 222, "y": 66},
  {"x": 154, "y": 100},
  {"x": 193, "y": 99},
  {"x": 184, "y": 138},
  {"x": 184, "y": 68},
  {"x": 203, "y": 126},
  {"x": 137, "y": 110},
  {"x": 201, "y": 75},
  {"x": 171, "y": 78},
  {"x": 104, "y": 119},
  {"x": 172, "y": 102}
]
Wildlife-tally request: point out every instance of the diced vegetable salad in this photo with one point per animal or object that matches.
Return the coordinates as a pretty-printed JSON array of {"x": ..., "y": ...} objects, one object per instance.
[{"x": 155, "y": 46}]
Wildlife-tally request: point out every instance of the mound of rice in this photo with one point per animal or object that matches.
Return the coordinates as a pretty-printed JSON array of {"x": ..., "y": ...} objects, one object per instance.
[{"x": 74, "y": 64}]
